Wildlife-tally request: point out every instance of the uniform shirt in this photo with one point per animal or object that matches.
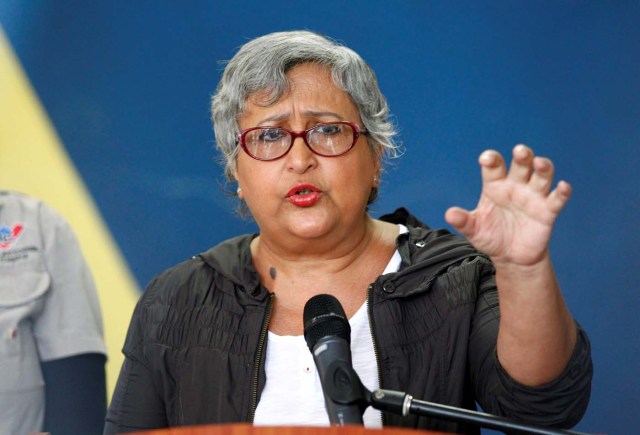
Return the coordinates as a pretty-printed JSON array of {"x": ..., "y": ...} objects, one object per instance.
[{"x": 49, "y": 307}]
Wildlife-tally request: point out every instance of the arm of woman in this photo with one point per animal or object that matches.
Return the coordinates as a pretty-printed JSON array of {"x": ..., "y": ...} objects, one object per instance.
[
  {"x": 136, "y": 403},
  {"x": 559, "y": 403},
  {"x": 512, "y": 224}
]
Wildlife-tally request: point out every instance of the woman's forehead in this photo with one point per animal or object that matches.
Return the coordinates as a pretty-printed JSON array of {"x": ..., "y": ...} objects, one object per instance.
[
  {"x": 301, "y": 75},
  {"x": 310, "y": 91}
]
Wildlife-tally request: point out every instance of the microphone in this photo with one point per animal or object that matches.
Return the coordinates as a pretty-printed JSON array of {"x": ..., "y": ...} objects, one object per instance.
[{"x": 328, "y": 335}]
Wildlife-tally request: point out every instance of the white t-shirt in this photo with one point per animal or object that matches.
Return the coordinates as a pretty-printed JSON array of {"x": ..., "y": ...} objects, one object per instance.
[
  {"x": 48, "y": 306},
  {"x": 293, "y": 393}
]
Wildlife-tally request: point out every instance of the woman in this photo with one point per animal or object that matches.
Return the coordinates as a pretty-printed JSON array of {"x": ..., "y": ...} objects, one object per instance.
[{"x": 303, "y": 128}]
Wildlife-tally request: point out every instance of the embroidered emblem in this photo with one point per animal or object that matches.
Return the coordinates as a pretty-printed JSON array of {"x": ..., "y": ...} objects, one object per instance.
[{"x": 8, "y": 235}]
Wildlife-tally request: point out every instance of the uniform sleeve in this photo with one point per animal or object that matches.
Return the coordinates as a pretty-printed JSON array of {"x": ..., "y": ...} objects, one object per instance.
[
  {"x": 70, "y": 322},
  {"x": 560, "y": 403},
  {"x": 75, "y": 395}
]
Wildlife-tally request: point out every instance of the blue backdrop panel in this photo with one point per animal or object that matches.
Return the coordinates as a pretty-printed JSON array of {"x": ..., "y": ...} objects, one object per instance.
[{"x": 127, "y": 86}]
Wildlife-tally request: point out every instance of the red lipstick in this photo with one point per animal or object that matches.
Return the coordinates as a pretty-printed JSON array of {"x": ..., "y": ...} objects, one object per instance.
[{"x": 303, "y": 195}]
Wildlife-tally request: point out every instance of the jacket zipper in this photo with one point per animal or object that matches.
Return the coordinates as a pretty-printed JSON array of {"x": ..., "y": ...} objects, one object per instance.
[
  {"x": 376, "y": 352},
  {"x": 258, "y": 360}
]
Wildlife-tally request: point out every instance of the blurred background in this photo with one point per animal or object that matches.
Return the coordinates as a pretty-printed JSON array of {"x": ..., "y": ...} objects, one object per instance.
[{"x": 104, "y": 113}]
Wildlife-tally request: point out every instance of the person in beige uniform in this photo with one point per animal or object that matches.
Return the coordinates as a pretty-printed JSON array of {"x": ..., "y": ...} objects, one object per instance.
[{"x": 52, "y": 352}]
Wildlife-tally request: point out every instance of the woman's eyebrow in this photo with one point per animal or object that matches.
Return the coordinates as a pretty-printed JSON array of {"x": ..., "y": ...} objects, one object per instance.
[
  {"x": 275, "y": 118},
  {"x": 311, "y": 113},
  {"x": 321, "y": 114}
]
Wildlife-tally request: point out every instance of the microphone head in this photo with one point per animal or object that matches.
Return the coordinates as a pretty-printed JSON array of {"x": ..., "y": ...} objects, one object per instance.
[{"x": 324, "y": 316}]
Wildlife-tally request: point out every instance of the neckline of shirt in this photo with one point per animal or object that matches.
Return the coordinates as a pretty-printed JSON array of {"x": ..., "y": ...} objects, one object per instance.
[{"x": 361, "y": 314}]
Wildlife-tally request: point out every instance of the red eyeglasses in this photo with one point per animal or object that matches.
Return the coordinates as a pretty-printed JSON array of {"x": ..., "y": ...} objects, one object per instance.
[{"x": 328, "y": 140}]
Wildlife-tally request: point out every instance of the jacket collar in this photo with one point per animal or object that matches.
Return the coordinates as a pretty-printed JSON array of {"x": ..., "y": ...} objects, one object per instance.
[
  {"x": 426, "y": 253},
  {"x": 422, "y": 250}
]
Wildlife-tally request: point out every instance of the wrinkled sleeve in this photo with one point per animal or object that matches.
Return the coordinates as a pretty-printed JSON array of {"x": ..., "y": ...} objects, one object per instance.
[
  {"x": 71, "y": 322},
  {"x": 137, "y": 403},
  {"x": 560, "y": 403}
]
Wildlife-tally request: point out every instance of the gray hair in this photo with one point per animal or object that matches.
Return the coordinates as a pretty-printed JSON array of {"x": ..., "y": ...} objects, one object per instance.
[{"x": 261, "y": 65}]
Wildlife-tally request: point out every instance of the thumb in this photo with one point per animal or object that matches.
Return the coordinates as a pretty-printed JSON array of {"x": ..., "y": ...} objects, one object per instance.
[{"x": 462, "y": 220}]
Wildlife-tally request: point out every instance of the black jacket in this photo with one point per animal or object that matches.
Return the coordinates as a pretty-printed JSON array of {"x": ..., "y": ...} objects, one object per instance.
[{"x": 195, "y": 348}]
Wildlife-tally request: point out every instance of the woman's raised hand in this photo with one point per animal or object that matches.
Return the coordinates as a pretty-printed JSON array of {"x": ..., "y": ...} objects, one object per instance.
[{"x": 514, "y": 218}]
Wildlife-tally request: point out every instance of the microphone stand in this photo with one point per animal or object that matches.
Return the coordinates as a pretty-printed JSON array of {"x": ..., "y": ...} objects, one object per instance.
[{"x": 404, "y": 404}]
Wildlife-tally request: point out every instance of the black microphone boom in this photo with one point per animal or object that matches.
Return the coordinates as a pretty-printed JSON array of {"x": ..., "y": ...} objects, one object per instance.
[
  {"x": 403, "y": 404},
  {"x": 328, "y": 335}
]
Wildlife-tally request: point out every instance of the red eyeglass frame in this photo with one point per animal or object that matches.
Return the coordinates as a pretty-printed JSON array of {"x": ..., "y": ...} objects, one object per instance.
[{"x": 357, "y": 131}]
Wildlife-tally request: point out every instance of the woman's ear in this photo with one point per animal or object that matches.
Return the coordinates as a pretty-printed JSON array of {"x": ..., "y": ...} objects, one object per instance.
[
  {"x": 233, "y": 171},
  {"x": 377, "y": 165}
]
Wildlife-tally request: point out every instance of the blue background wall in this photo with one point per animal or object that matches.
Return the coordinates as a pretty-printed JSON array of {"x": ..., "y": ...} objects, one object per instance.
[{"x": 127, "y": 86}]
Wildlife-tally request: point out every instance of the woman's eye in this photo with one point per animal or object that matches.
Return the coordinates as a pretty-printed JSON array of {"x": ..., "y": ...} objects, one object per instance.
[
  {"x": 271, "y": 135},
  {"x": 329, "y": 129}
]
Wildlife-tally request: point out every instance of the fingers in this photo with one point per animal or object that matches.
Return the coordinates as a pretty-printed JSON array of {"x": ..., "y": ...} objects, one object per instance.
[
  {"x": 542, "y": 175},
  {"x": 493, "y": 167},
  {"x": 521, "y": 165},
  {"x": 525, "y": 168},
  {"x": 460, "y": 219},
  {"x": 559, "y": 197}
]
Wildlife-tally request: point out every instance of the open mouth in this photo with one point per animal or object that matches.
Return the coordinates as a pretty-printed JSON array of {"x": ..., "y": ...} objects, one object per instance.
[
  {"x": 304, "y": 195},
  {"x": 304, "y": 191}
]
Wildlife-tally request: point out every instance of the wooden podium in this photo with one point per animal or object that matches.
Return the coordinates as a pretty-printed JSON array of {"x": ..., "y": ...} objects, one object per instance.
[{"x": 248, "y": 429}]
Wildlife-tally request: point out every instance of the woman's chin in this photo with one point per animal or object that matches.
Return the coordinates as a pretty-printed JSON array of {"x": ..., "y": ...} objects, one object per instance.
[
  {"x": 310, "y": 231},
  {"x": 311, "y": 224}
]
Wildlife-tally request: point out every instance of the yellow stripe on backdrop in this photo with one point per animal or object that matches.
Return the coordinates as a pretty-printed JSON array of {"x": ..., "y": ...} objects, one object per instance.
[{"x": 34, "y": 161}]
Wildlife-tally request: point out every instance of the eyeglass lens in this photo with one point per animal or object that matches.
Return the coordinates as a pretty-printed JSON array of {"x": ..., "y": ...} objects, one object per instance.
[{"x": 269, "y": 143}]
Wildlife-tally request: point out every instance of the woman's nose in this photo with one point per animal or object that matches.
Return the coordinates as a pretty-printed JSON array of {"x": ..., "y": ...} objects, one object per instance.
[{"x": 300, "y": 157}]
